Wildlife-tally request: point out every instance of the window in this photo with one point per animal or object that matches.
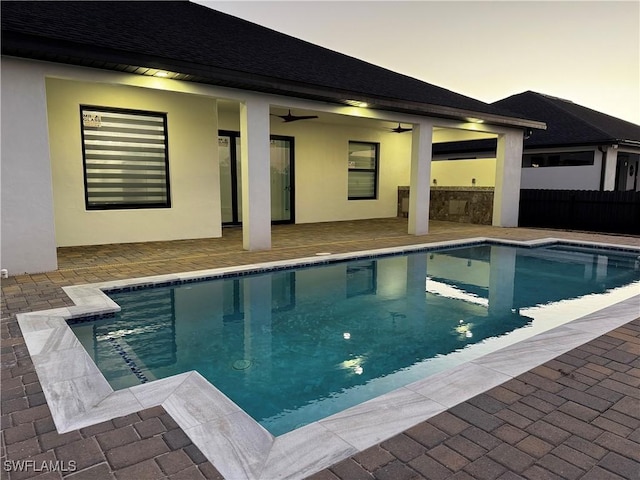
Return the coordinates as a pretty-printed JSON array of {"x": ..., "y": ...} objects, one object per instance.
[
  {"x": 557, "y": 159},
  {"x": 125, "y": 158},
  {"x": 363, "y": 170}
]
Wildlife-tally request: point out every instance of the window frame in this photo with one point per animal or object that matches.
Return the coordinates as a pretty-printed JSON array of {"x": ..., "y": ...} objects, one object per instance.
[
  {"x": 374, "y": 170},
  {"x": 563, "y": 156},
  {"x": 126, "y": 206}
]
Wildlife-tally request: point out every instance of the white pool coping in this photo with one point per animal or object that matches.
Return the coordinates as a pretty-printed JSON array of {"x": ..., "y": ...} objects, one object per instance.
[{"x": 78, "y": 395}]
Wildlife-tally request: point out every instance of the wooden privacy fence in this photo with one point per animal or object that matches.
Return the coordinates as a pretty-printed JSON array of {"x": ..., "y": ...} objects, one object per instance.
[{"x": 590, "y": 210}]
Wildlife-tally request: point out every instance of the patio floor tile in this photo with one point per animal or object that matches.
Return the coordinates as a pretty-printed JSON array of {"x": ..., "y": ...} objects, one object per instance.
[{"x": 585, "y": 427}]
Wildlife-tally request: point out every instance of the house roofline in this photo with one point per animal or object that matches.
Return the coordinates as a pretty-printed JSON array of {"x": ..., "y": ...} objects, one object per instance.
[
  {"x": 629, "y": 143},
  {"x": 61, "y": 51},
  {"x": 487, "y": 146}
]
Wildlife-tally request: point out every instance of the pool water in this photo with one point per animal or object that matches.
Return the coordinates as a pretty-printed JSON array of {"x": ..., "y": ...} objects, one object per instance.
[{"x": 293, "y": 346}]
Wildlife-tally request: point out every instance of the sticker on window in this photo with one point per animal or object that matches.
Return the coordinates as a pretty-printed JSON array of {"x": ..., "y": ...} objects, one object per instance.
[{"x": 91, "y": 120}]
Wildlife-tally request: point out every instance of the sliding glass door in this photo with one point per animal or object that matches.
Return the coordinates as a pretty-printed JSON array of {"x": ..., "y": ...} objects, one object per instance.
[
  {"x": 230, "y": 183},
  {"x": 281, "y": 178}
]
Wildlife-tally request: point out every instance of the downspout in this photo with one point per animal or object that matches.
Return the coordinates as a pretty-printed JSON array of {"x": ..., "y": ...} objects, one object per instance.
[{"x": 603, "y": 165}]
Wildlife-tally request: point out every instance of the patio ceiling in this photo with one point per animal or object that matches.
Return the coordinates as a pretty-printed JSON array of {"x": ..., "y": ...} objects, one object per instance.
[{"x": 232, "y": 107}]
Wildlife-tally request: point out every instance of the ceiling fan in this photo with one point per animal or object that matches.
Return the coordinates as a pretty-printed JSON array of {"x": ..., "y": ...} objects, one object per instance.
[
  {"x": 400, "y": 129},
  {"x": 292, "y": 118}
]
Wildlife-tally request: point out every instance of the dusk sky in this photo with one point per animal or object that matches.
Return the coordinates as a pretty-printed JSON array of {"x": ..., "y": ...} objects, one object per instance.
[{"x": 584, "y": 51}]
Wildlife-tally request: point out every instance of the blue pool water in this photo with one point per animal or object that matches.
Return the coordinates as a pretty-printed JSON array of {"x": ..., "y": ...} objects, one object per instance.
[{"x": 296, "y": 345}]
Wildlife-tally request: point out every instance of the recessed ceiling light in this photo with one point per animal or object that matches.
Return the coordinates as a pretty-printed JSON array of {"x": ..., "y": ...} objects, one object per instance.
[{"x": 356, "y": 103}]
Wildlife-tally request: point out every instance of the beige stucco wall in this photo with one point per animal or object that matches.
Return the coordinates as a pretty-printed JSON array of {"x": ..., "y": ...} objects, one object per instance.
[
  {"x": 193, "y": 168},
  {"x": 458, "y": 173},
  {"x": 321, "y": 169},
  {"x": 322, "y": 173}
]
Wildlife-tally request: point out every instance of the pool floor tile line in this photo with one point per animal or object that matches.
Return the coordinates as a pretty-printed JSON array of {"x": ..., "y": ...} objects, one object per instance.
[{"x": 25, "y": 418}]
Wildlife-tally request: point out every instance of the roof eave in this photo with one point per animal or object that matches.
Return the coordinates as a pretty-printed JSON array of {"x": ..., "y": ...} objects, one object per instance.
[
  {"x": 593, "y": 143},
  {"x": 39, "y": 48},
  {"x": 629, "y": 143}
]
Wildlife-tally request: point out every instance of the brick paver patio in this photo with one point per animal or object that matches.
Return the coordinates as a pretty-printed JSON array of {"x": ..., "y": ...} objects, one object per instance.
[{"x": 575, "y": 417}]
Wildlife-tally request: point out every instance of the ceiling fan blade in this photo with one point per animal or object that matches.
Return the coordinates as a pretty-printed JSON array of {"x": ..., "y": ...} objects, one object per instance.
[
  {"x": 292, "y": 118},
  {"x": 400, "y": 129}
]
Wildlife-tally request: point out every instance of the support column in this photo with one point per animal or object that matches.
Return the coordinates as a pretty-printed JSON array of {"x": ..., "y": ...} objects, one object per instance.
[
  {"x": 255, "y": 165},
  {"x": 610, "y": 160},
  {"x": 28, "y": 226},
  {"x": 506, "y": 196},
  {"x": 421, "y": 140}
]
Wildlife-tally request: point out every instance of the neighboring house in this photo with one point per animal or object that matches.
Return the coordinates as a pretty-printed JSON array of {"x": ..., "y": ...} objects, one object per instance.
[
  {"x": 581, "y": 149},
  {"x": 146, "y": 121}
]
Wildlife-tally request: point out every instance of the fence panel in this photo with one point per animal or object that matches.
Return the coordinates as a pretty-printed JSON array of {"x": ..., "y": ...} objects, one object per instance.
[{"x": 589, "y": 210}]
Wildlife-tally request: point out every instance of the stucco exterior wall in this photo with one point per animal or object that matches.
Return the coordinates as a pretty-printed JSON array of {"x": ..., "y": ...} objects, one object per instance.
[
  {"x": 193, "y": 167},
  {"x": 321, "y": 169},
  {"x": 459, "y": 173},
  {"x": 28, "y": 240},
  {"x": 43, "y": 198},
  {"x": 322, "y": 174},
  {"x": 564, "y": 178}
]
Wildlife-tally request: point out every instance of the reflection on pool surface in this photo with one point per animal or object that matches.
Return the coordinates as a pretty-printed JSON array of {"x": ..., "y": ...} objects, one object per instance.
[{"x": 293, "y": 346}]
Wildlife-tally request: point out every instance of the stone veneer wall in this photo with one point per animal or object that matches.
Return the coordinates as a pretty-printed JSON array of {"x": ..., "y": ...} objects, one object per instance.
[{"x": 454, "y": 204}]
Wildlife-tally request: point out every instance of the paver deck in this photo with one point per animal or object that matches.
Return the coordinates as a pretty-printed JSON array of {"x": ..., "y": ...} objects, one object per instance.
[{"x": 575, "y": 417}]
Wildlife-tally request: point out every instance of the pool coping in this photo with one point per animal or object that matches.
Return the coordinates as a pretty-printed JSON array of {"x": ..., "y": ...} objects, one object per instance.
[{"x": 79, "y": 396}]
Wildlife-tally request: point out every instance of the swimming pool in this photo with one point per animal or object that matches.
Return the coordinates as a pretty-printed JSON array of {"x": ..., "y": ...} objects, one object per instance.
[
  {"x": 294, "y": 346},
  {"x": 78, "y": 395}
]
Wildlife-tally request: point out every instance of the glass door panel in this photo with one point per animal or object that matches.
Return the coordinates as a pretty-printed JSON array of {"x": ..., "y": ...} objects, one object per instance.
[
  {"x": 281, "y": 180},
  {"x": 238, "y": 216},
  {"x": 226, "y": 192}
]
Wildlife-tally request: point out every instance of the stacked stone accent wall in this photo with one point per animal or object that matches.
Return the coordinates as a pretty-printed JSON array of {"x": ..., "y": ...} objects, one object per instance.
[{"x": 454, "y": 204}]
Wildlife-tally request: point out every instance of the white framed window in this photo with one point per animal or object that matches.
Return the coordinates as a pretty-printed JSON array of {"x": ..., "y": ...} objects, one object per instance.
[
  {"x": 363, "y": 170},
  {"x": 125, "y": 158}
]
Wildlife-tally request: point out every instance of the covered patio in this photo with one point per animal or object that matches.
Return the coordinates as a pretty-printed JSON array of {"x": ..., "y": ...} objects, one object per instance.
[
  {"x": 575, "y": 413},
  {"x": 101, "y": 262}
]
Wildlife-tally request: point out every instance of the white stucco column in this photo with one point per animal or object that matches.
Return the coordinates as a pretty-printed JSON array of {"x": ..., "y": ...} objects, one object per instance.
[
  {"x": 610, "y": 159},
  {"x": 28, "y": 229},
  {"x": 506, "y": 196},
  {"x": 421, "y": 140},
  {"x": 256, "y": 184}
]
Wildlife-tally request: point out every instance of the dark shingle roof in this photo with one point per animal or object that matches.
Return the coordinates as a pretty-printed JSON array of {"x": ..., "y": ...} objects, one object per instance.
[
  {"x": 568, "y": 123},
  {"x": 212, "y": 47}
]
